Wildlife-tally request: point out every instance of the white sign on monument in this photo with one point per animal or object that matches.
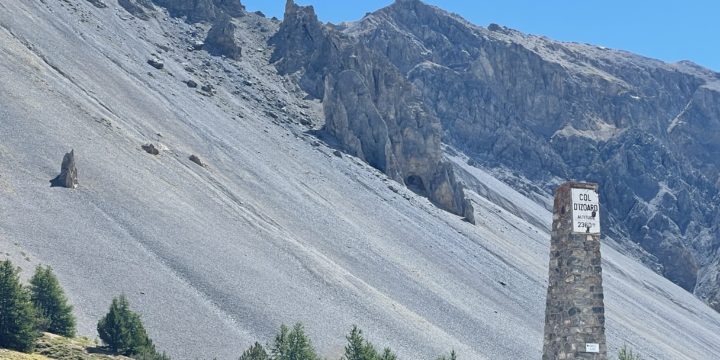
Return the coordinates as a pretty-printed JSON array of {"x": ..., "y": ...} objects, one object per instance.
[
  {"x": 592, "y": 348},
  {"x": 585, "y": 211}
]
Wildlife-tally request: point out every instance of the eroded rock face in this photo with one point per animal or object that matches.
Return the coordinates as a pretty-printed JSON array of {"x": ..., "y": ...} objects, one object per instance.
[
  {"x": 647, "y": 131},
  {"x": 194, "y": 10},
  {"x": 230, "y": 7},
  {"x": 443, "y": 191},
  {"x": 202, "y": 10},
  {"x": 98, "y": 3},
  {"x": 365, "y": 135},
  {"x": 142, "y": 9},
  {"x": 373, "y": 111},
  {"x": 221, "y": 40},
  {"x": 303, "y": 42}
]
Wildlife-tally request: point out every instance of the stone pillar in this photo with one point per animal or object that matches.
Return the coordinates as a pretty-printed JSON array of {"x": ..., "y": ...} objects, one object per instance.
[
  {"x": 575, "y": 310},
  {"x": 68, "y": 172}
]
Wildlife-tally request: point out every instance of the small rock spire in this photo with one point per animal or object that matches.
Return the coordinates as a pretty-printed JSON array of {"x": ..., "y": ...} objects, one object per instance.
[
  {"x": 289, "y": 6},
  {"x": 68, "y": 172}
]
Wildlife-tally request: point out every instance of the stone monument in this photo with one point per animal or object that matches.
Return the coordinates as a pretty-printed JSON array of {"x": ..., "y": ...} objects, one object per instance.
[{"x": 575, "y": 310}]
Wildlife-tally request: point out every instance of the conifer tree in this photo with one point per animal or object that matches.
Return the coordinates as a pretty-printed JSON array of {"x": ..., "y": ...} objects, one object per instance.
[
  {"x": 358, "y": 348},
  {"x": 453, "y": 356},
  {"x": 122, "y": 331},
  {"x": 280, "y": 345},
  {"x": 54, "y": 313},
  {"x": 17, "y": 316},
  {"x": 255, "y": 352},
  {"x": 387, "y": 355},
  {"x": 293, "y": 345}
]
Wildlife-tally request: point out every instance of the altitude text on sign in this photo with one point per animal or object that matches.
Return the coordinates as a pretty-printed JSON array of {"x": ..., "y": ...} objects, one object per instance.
[{"x": 585, "y": 211}]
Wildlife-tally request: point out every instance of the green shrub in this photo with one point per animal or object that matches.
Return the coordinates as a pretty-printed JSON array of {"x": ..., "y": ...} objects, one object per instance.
[
  {"x": 627, "y": 354},
  {"x": 149, "y": 353},
  {"x": 54, "y": 313},
  {"x": 17, "y": 316}
]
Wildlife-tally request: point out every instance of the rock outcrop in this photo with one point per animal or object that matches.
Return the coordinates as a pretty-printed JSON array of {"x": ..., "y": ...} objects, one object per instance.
[
  {"x": 68, "y": 172},
  {"x": 647, "y": 131},
  {"x": 230, "y": 7},
  {"x": 194, "y": 158},
  {"x": 370, "y": 107},
  {"x": 151, "y": 149},
  {"x": 202, "y": 10},
  {"x": 142, "y": 9},
  {"x": 98, "y": 4},
  {"x": 156, "y": 63},
  {"x": 221, "y": 40}
]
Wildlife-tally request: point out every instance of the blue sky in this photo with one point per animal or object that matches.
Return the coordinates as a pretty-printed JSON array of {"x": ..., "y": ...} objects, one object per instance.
[{"x": 662, "y": 29}]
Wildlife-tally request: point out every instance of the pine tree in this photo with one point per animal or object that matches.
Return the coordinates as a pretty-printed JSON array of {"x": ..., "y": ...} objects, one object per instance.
[
  {"x": 280, "y": 346},
  {"x": 17, "y": 316},
  {"x": 387, "y": 355},
  {"x": 453, "y": 356},
  {"x": 255, "y": 352},
  {"x": 54, "y": 313},
  {"x": 122, "y": 330},
  {"x": 358, "y": 348},
  {"x": 293, "y": 345}
]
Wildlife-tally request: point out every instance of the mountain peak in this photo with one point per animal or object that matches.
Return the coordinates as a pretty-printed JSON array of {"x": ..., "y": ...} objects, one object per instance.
[
  {"x": 300, "y": 14},
  {"x": 401, "y": 3}
]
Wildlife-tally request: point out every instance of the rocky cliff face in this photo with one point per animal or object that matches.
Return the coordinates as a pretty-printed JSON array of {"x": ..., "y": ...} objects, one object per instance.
[
  {"x": 142, "y": 9},
  {"x": 202, "y": 10},
  {"x": 648, "y": 131},
  {"x": 373, "y": 111}
]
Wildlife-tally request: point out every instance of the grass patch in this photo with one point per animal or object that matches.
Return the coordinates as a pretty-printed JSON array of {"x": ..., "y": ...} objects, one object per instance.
[
  {"x": 14, "y": 355},
  {"x": 51, "y": 346}
]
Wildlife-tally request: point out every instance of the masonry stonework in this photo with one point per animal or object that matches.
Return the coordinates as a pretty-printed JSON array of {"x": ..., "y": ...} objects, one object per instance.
[{"x": 575, "y": 310}]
